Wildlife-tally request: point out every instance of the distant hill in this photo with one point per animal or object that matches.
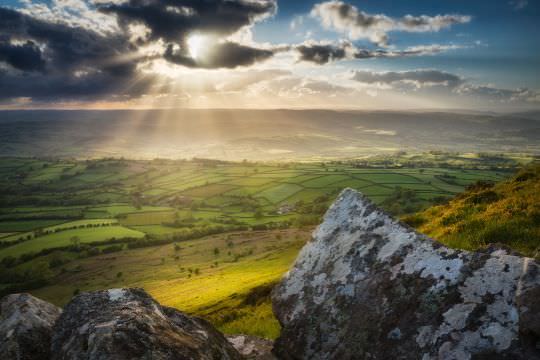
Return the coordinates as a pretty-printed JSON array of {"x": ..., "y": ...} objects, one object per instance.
[
  {"x": 260, "y": 134},
  {"x": 506, "y": 213}
]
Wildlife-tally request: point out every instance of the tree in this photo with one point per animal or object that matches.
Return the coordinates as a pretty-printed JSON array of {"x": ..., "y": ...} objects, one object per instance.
[{"x": 75, "y": 241}]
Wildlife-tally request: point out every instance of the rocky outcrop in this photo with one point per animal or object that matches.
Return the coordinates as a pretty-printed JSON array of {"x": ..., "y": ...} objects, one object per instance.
[
  {"x": 369, "y": 287},
  {"x": 128, "y": 324},
  {"x": 26, "y": 325},
  {"x": 252, "y": 347}
]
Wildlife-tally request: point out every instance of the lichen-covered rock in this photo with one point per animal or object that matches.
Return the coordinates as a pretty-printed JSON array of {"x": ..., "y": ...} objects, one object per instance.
[
  {"x": 369, "y": 287},
  {"x": 128, "y": 324},
  {"x": 252, "y": 347},
  {"x": 26, "y": 325}
]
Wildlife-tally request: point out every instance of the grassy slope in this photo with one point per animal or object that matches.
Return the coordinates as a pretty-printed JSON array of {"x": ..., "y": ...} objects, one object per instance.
[
  {"x": 189, "y": 279},
  {"x": 507, "y": 213}
]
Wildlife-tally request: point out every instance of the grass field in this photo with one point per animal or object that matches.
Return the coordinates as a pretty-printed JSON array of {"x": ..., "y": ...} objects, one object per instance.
[
  {"x": 280, "y": 192},
  {"x": 63, "y": 238}
]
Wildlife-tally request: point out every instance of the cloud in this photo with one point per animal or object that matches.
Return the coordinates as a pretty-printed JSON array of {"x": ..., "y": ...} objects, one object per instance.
[
  {"x": 58, "y": 87},
  {"x": 25, "y": 57},
  {"x": 321, "y": 53},
  {"x": 296, "y": 22},
  {"x": 51, "y": 59},
  {"x": 220, "y": 55},
  {"x": 419, "y": 78},
  {"x": 519, "y": 4},
  {"x": 294, "y": 87},
  {"x": 492, "y": 93},
  {"x": 357, "y": 24},
  {"x": 325, "y": 87},
  {"x": 65, "y": 48},
  {"x": 72, "y": 13},
  {"x": 447, "y": 85},
  {"x": 174, "y": 20},
  {"x": 242, "y": 80}
]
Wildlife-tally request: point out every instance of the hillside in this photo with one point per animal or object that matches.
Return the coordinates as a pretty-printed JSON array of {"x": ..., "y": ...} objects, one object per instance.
[{"x": 507, "y": 213}]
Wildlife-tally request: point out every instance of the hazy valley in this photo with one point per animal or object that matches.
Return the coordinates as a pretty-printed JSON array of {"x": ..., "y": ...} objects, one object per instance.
[{"x": 260, "y": 134}]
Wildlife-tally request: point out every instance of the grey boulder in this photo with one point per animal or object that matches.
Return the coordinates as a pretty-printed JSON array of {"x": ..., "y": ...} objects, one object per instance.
[
  {"x": 129, "y": 324},
  {"x": 369, "y": 287},
  {"x": 26, "y": 325}
]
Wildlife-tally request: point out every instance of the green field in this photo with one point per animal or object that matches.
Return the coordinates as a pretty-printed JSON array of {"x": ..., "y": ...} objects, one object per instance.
[
  {"x": 199, "y": 235},
  {"x": 63, "y": 238}
]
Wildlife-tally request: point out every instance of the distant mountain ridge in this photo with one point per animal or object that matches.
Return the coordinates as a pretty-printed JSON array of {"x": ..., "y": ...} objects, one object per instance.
[{"x": 259, "y": 134}]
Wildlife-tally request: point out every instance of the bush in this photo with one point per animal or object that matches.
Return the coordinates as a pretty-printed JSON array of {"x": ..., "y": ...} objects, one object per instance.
[{"x": 112, "y": 249}]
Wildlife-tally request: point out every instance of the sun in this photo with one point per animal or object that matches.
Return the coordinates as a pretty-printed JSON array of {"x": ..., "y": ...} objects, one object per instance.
[{"x": 197, "y": 44}]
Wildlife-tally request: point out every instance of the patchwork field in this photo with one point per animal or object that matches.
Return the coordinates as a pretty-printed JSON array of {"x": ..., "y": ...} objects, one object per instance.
[{"x": 42, "y": 201}]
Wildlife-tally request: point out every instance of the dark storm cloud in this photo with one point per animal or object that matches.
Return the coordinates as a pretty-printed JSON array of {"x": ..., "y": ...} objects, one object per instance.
[
  {"x": 65, "y": 47},
  {"x": 173, "y": 20},
  {"x": 25, "y": 57},
  {"x": 221, "y": 55},
  {"x": 54, "y": 60},
  {"x": 322, "y": 53}
]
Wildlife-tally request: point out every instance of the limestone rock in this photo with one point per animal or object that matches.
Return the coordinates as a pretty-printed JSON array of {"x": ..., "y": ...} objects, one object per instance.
[
  {"x": 369, "y": 287},
  {"x": 26, "y": 325},
  {"x": 128, "y": 324},
  {"x": 252, "y": 347}
]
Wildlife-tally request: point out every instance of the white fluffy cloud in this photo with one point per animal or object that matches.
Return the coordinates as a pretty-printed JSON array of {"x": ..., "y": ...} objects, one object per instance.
[{"x": 357, "y": 24}]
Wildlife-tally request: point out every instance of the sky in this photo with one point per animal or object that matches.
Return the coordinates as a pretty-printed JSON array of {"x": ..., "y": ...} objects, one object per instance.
[{"x": 387, "y": 55}]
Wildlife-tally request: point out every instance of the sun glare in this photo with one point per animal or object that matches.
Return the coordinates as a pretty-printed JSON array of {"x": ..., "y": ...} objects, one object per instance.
[{"x": 196, "y": 44}]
